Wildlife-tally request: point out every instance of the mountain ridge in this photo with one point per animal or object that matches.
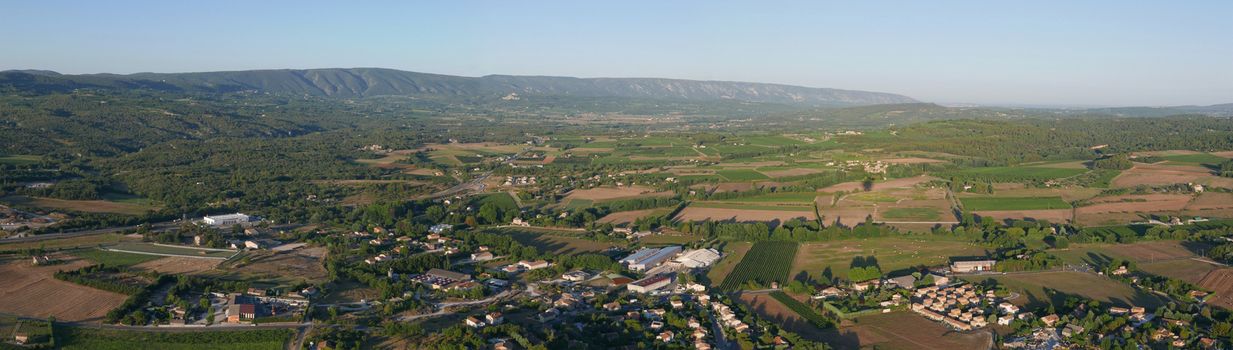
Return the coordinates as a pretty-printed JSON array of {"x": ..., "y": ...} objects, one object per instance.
[{"x": 368, "y": 82}]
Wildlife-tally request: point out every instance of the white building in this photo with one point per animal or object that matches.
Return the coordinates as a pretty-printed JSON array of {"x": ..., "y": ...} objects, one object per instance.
[
  {"x": 227, "y": 220},
  {"x": 650, "y": 284},
  {"x": 646, "y": 258},
  {"x": 440, "y": 228},
  {"x": 698, "y": 258}
]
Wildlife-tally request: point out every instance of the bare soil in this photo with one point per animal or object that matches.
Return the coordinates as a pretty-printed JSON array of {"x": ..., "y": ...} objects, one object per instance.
[
  {"x": 719, "y": 214},
  {"x": 29, "y": 290},
  {"x": 607, "y": 193},
  {"x": 1053, "y": 215},
  {"x": 179, "y": 265},
  {"x": 1221, "y": 283},
  {"x": 625, "y": 217}
]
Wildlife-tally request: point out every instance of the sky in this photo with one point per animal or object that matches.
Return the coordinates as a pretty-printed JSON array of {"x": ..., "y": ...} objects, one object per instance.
[{"x": 1055, "y": 53}]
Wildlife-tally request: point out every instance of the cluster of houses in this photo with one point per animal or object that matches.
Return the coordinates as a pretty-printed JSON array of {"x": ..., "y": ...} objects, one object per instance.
[
  {"x": 11, "y": 219},
  {"x": 961, "y": 307},
  {"x": 433, "y": 242},
  {"x": 446, "y": 280},
  {"x": 728, "y": 318},
  {"x": 1051, "y": 336},
  {"x": 519, "y": 181}
]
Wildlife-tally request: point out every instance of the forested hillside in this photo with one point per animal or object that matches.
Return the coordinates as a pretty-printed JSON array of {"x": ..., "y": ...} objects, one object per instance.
[{"x": 368, "y": 82}]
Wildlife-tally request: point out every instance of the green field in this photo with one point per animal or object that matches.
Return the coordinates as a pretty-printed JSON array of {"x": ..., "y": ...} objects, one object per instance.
[
  {"x": 782, "y": 197},
  {"x": 70, "y": 338},
  {"x": 502, "y": 200},
  {"x": 873, "y": 197},
  {"x": 553, "y": 241},
  {"x": 577, "y": 203},
  {"x": 1197, "y": 158},
  {"x": 1035, "y": 288},
  {"x": 111, "y": 258},
  {"x": 1019, "y": 173},
  {"x": 805, "y": 311},
  {"x": 892, "y": 254},
  {"x": 772, "y": 140},
  {"x": 915, "y": 214},
  {"x": 767, "y": 261},
  {"x": 741, "y": 175},
  {"x": 1014, "y": 203},
  {"x": 721, "y": 205},
  {"x": 20, "y": 159},
  {"x": 162, "y": 250}
]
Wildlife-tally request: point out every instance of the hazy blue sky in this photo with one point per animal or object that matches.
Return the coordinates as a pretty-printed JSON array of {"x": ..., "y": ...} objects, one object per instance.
[{"x": 994, "y": 52}]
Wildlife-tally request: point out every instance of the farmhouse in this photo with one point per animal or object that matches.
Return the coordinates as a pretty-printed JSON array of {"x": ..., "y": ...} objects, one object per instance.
[
  {"x": 647, "y": 285},
  {"x": 227, "y": 220},
  {"x": 482, "y": 256},
  {"x": 575, "y": 276},
  {"x": 533, "y": 265},
  {"x": 972, "y": 266},
  {"x": 905, "y": 282}
]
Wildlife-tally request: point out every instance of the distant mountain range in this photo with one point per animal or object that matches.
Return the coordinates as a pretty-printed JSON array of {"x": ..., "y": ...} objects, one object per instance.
[{"x": 368, "y": 82}]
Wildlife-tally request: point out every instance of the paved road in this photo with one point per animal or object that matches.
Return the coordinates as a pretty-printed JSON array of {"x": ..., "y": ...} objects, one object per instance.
[
  {"x": 442, "y": 306},
  {"x": 476, "y": 184},
  {"x": 156, "y": 227}
]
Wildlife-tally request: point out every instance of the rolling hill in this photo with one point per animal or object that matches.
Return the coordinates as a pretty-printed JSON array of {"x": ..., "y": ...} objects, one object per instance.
[{"x": 367, "y": 82}]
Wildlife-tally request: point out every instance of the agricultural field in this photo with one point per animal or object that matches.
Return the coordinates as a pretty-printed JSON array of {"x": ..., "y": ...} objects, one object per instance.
[
  {"x": 743, "y": 213},
  {"x": 1017, "y": 173},
  {"x": 170, "y": 250},
  {"x": 1220, "y": 282},
  {"x": 779, "y": 197},
  {"x": 1033, "y": 286},
  {"x": 86, "y": 206},
  {"x": 1167, "y": 174},
  {"x": 600, "y": 194},
  {"x": 1140, "y": 252},
  {"x": 1013, "y": 203},
  {"x": 911, "y": 214},
  {"x": 801, "y": 207},
  {"x": 178, "y": 265},
  {"x": 767, "y": 261},
  {"x": 767, "y": 306},
  {"x": 1196, "y": 158},
  {"x": 815, "y": 259},
  {"x": 856, "y": 186},
  {"x": 20, "y": 159},
  {"x": 32, "y": 291},
  {"x": 72, "y": 338},
  {"x": 625, "y": 217},
  {"x": 555, "y": 242},
  {"x": 742, "y": 175},
  {"x": 733, "y": 253},
  {"x": 111, "y": 258},
  {"x": 903, "y": 330},
  {"x": 70, "y": 243},
  {"x": 502, "y": 200}
]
